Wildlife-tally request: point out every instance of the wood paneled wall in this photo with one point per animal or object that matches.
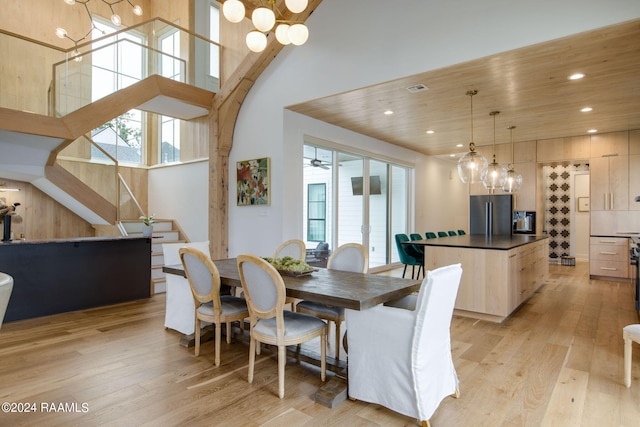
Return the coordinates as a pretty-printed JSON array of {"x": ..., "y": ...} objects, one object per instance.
[
  {"x": 43, "y": 217},
  {"x": 38, "y": 19}
]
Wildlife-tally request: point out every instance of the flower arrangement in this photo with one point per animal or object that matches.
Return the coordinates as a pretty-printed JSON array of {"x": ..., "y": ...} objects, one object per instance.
[{"x": 148, "y": 220}]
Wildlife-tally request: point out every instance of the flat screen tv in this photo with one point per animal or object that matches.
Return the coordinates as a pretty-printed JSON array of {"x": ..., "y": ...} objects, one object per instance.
[{"x": 374, "y": 185}]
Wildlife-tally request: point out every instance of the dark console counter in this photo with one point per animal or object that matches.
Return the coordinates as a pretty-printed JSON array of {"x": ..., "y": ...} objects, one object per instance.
[{"x": 56, "y": 276}]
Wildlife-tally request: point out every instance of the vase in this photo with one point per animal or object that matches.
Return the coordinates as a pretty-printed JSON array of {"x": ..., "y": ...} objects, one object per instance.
[{"x": 147, "y": 230}]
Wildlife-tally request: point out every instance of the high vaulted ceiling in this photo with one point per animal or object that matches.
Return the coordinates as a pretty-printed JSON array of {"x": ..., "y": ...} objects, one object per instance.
[{"x": 529, "y": 86}]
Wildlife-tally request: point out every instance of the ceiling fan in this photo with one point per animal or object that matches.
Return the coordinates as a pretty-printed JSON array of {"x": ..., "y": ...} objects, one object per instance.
[{"x": 317, "y": 163}]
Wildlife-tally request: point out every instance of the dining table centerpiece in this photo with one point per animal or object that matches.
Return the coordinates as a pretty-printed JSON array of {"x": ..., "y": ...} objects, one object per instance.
[{"x": 290, "y": 266}]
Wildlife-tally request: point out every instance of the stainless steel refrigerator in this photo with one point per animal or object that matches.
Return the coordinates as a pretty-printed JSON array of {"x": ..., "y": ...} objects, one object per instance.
[{"x": 491, "y": 214}]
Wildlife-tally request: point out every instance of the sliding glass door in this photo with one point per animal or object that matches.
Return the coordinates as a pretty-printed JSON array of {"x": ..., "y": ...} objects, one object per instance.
[{"x": 351, "y": 197}]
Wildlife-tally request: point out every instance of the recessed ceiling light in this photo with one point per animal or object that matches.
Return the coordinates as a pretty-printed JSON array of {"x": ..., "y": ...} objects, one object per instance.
[
  {"x": 388, "y": 112},
  {"x": 430, "y": 132},
  {"x": 586, "y": 109},
  {"x": 452, "y": 155},
  {"x": 459, "y": 145},
  {"x": 592, "y": 130},
  {"x": 576, "y": 76}
]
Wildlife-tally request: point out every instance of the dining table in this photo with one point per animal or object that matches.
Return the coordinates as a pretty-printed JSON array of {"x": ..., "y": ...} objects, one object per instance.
[{"x": 355, "y": 291}]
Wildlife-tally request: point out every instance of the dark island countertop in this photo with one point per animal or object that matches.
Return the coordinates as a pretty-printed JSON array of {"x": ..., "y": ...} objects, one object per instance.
[
  {"x": 480, "y": 241},
  {"x": 71, "y": 240}
]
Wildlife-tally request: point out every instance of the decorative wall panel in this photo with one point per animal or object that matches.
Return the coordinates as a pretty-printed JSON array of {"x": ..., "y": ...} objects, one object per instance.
[{"x": 558, "y": 205}]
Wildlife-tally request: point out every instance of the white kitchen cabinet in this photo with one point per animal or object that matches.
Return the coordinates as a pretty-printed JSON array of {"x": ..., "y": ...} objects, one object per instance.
[
  {"x": 609, "y": 257},
  {"x": 609, "y": 183}
]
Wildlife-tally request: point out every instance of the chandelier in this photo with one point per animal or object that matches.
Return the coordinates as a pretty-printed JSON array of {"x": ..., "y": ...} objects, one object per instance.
[
  {"x": 496, "y": 173},
  {"x": 514, "y": 180},
  {"x": 115, "y": 18},
  {"x": 264, "y": 18},
  {"x": 472, "y": 167}
]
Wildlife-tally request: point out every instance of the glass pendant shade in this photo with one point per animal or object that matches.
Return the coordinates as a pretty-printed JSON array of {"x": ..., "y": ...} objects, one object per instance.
[
  {"x": 115, "y": 18},
  {"x": 70, "y": 2},
  {"x": 263, "y": 19},
  {"x": 496, "y": 173},
  {"x": 298, "y": 34},
  {"x": 495, "y": 176},
  {"x": 296, "y": 6},
  {"x": 282, "y": 34},
  {"x": 61, "y": 32},
  {"x": 233, "y": 10},
  {"x": 472, "y": 167},
  {"x": 137, "y": 10},
  {"x": 513, "y": 182},
  {"x": 256, "y": 41}
]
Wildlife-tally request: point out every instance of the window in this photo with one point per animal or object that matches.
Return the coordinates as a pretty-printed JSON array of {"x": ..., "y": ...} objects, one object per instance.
[
  {"x": 170, "y": 140},
  {"x": 169, "y": 137},
  {"x": 317, "y": 213},
  {"x": 364, "y": 200},
  {"x": 117, "y": 62},
  {"x": 214, "y": 35}
]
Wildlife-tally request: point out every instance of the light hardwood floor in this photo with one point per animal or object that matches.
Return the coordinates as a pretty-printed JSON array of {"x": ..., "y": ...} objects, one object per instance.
[{"x": 558, "y": 361}]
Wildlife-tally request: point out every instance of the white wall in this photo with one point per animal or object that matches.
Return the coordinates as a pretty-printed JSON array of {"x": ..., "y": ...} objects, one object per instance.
[
  {"x": 355, "y": 43},
  {"x": 581, "y": 220},
  {"x": 181, "y": 192}
]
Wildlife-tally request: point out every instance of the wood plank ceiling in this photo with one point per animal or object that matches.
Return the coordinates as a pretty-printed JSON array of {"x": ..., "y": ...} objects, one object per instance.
[{"x": 529, "y": 86}]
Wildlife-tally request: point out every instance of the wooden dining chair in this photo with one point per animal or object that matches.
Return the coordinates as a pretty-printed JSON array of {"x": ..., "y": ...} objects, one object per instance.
[
  {"x": 270, "y": 324},
  {"x": 348, "y": 257},
  {"x": 296, "y": 249},
  {"x": 204, "y": 281}
]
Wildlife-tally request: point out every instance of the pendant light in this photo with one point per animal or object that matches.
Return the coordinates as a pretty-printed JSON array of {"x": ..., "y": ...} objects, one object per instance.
[
  {"x": 514, "y": 180},
  {"x": 267, "y": 17},
  {"x": 496, "y": 173},
  {"x": 472, "y": 166}
]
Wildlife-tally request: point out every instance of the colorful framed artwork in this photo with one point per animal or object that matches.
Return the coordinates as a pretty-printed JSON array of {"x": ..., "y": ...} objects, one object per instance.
[{"x": 253, "y": 182}]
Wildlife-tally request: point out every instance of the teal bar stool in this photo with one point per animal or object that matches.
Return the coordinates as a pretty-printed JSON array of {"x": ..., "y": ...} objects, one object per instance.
[{"x": 408, "y": 255}]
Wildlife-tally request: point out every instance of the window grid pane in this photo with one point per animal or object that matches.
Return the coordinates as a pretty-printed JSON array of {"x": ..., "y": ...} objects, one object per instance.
[{"x": 316, "y": 216}]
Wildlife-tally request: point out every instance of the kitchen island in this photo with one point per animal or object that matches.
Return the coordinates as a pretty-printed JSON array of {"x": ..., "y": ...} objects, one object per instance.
[
  {"x": 499, "y": 273},
  {"x": 60, "y": 275}
]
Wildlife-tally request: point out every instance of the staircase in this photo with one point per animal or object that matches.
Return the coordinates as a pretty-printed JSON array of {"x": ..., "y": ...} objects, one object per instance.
[{"x": 164, "y": 231}]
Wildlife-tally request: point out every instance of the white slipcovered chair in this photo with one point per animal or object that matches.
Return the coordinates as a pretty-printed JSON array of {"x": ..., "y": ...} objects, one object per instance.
[
  {"x": 265, "y": 293},
  {"x": 6, "y": 286},
  {"x": 400, "y": 358},
  {"x": 179, "y": 311},
  {"x": 296, "y": 249},
  {"x": 348, "y": 257}
]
